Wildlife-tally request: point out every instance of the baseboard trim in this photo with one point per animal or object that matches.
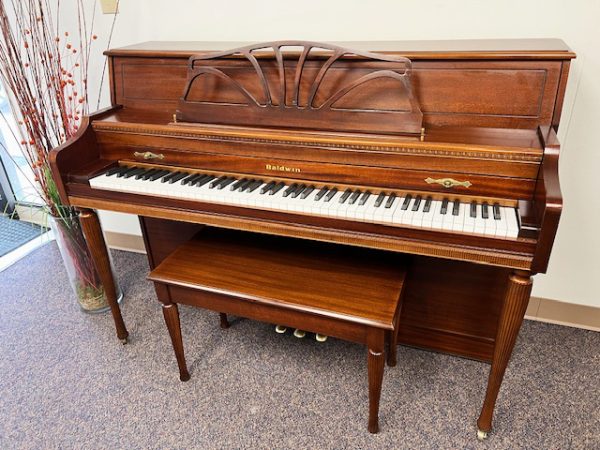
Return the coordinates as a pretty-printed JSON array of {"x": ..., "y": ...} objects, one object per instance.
[
  {"x": 539, "y": 309},
  {"x": 562, "y": 313},
  {"x": 123, "y": 241}
]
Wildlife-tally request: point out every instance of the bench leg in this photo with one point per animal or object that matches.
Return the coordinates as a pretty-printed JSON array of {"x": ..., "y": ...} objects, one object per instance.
[
  {"x": 171, "y": 314},
  {"x": 392, "y": 347},
  {"x": 375, "y": 365},
  {"x": 224, "y": 321}
]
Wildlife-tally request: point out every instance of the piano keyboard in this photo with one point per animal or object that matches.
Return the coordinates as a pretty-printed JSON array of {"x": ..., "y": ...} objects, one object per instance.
[{"x": 387, "y": 208}]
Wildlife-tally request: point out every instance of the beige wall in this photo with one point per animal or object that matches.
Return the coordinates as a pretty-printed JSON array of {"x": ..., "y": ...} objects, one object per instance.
[{"x": 575, "y": 264}]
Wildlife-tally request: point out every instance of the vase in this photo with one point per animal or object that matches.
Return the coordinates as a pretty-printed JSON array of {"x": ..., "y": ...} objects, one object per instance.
[{"x": 83, "y": 276}]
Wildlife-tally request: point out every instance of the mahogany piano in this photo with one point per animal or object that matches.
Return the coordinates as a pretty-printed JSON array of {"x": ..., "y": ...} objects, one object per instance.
[{"x": 445, "y": 151}]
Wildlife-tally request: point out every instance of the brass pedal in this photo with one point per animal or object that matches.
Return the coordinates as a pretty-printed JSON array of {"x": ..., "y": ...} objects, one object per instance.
[
  {"x": 320, "y": 337},
  {"x": 299, "y": 333},
  {"x": 280, "y": 329}
]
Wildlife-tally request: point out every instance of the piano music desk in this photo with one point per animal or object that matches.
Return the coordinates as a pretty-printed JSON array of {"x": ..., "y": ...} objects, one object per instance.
[{"x": 344, "y": 292}]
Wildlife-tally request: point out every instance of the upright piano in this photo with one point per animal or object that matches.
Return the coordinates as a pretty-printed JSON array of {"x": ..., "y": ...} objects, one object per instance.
[{"x": 445, "y": 151}]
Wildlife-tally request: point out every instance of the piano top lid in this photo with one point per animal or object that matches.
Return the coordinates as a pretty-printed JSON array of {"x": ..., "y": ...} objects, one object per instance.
[{"x": 518, "y": 49}]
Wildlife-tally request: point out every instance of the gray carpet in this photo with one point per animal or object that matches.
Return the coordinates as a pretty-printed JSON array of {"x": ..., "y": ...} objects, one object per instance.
[
  {"x": 66, "y": 382},
  {"x": 14, "y": 233}
]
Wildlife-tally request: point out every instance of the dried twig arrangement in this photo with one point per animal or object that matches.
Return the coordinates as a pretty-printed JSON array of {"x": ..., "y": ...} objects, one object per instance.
[{"x": 44, "y": 69}]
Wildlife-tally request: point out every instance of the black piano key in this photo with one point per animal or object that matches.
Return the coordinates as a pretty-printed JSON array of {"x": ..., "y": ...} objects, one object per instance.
[
  {"x": 473, "y": 212},
  {"x": 290, "y": 189},
  {"x": 307, "y": 191},
  {"x": 406, "y": 202},
  {"x": 148, "y": 174},
  {"x": 267, "y": 187},
  {"x": 254, "y": 185},
  {"x": 427, "y": 206},
  {"x": 190, "y": 178},
  {"x": 390, "y": 201},
  {"x": 141, "y": 174},
  {"x": 178, "y": 177},
  {"x": 379, "y": 199},
  {"x": 159, "y": 174},
  {"x": 216, "y": 182},
  {"x": 364, "y": 198},
  {"x": 226, "y": 183},
  {"x": 204, "y": 180},
  {"x": 444, "y": 208},
  {"x": 242, "y": 187},
  {"x": 321, "y": 193},
  {"x": 134, "y": 172},
  {"x": 169, "y": 176},
  {"x": 330, "y": 194},
  {"x": 199, "y": 179},
  {"x": 277, "y": 188},
  {"x": 354, "y": 197},
  {"x": 497, "y": 215},
  {"x": 345, "y": 195},
  {"x": 238, "y": 183},
  {"x": 298, "y": 190},
  {"x": 417, "y": 203},
  {"x": 456, "y": 208},
  {"x": 124, "y": 172},
  {"x": 484, "y": 211},
  {"x": 114, "y": 170}
]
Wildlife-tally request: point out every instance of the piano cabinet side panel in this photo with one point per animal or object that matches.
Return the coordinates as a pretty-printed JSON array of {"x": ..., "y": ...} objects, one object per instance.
[
  {"x": 162, "y": 237},
  {"x": 452, "y": 307}
]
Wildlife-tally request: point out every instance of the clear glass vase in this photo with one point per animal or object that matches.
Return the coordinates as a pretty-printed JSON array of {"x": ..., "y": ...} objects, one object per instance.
[{"x": 82, "y": 273}]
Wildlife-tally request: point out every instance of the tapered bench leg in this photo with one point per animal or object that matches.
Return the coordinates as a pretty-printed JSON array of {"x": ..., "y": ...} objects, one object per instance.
[
  {"x": 224, "y": 321},
  {"x": 375, "y": 365},
  {"x": 171, "y": 314}
]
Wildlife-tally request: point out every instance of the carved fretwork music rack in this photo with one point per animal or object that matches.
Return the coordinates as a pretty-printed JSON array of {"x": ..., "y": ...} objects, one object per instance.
[{"x": 300, "y": 84}]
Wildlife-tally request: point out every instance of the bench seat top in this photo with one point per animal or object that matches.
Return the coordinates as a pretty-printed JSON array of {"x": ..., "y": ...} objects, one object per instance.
[{"x": 342, "y": 282}]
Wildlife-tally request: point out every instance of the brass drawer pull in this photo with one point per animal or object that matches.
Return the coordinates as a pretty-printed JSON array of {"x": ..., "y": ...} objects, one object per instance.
[
  {"x": 149, "y": 155},
  {"x": 448, "y": 182}
]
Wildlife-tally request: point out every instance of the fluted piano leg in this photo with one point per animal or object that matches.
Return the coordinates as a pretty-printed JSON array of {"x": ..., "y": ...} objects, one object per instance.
[
  {"x": 92, "y": 232},
  {"x": 509, "y": 323},
  {"x": 171, "y": 315}
]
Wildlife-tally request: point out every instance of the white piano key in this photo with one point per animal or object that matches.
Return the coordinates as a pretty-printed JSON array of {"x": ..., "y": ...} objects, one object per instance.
[
  {"x": 458, "y": 223},
  {"x": 437, "y": 219},
  {"x": 501, "y": 226},
  {"x": 479, "y": 222},
  {"x": 512, "y": 224}
]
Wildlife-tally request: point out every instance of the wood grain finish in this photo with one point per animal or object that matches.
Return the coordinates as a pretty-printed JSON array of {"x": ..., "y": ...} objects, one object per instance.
[
  {"x": 308, "y": 92},
  {"x": 509, "y": 323},
  {"x": 95, "y": 241},
  {"x": 347, "y": 293},
  {"x": 319, "y": 278},
  {"x": 490, "y": 111},
  {"x": 171, "y": 315}
]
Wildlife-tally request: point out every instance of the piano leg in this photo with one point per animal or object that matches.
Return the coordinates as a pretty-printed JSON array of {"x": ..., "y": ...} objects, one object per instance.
[
  {"x": 224, "y": 321},
  {"x": 171, "y": 315},
  {"x": 375, "y": 364},
  {"x": 509, "y": 323},
  {"x": 95, "y": 241}
]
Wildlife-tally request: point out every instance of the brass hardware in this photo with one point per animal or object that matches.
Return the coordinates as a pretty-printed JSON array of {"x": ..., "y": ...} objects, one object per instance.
[
  {"x": 422, "y": 134},
  {"x": 149, "y": 155},
  {"x": 448, "y": 182},
  {"x": 174, "y": 118}
]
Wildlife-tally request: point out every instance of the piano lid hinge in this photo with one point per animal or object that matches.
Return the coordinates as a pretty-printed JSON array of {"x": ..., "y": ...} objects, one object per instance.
[
  {"x": 422, "y": 134},
  {"x": 175, "y": 119}
]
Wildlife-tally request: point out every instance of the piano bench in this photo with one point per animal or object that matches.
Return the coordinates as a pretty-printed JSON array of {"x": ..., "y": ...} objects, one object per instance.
[{"x": 345, "y": 292}]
